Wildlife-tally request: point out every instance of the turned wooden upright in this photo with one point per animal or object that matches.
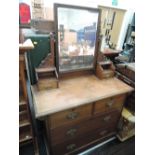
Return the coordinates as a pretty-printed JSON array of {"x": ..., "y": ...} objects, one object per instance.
[{"x": 26, "y": 134}]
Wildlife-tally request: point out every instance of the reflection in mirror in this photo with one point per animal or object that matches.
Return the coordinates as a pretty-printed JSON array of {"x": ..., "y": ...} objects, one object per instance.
[{"x": 76, "y": 38}]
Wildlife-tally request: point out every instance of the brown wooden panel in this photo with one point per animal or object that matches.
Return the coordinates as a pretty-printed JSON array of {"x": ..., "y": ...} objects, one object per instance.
[
  {"x": 109, "y": 104},
  {"x": 69, "y": 147},
  {"x": 47, "y": 83},
  {"x": 127, "y": 72},
  {"x": 70, "y": 116},
  {"x": 71, "y": 131},
  {"x": 25, "y": 133},
  {"x": 23, "y": 115}
]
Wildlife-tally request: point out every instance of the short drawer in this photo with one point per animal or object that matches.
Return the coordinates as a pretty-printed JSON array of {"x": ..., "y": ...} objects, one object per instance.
[
  {"x": 72, "y": 131},
  {"x": 70, "y": 116},
  {"x": 70, "y": 146},
  {"x": 109, "y": 104}
]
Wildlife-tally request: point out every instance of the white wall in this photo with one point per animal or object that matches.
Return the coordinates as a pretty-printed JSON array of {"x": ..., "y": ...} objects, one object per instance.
[{"x": 122, "y": 4}]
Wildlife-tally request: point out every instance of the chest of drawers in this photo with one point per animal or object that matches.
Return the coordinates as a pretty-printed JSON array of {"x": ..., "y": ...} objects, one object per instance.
[
  {"x": 82, "y": 112},
  {"x": 73, "y": 129}
]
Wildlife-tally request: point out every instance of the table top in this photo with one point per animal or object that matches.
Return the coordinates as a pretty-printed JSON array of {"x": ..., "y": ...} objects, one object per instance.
[
  {"x": 75, "y": 92},
  {"x": 27, "y": 45}
]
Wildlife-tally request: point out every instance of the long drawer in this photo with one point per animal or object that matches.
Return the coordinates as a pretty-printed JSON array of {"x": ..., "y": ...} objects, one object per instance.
[
  {"x": 68, "y": 132},
  {"x": 109, "y": 104},
  {"x": 70, "y": 146},
  {"x": 70, "y": 116}
]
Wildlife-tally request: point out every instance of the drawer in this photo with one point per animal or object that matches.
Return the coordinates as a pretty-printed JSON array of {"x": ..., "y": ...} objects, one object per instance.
[
  {"x": 109, "y": 104},
  {"x": 76, "y": 130},
  {"x": 69, "y": 147},
  {"x": 70, "y": 116}
]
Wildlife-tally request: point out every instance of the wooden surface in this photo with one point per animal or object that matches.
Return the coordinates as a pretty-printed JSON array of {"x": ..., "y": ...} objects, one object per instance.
[
  {"x": 75, "y": 92},
  {"x": 70, "y": 116},
  {"x": 26, "y": 134},
  {"x": 27, "y": 45},
  {"x": 102, "y": 73},
  {"x": 109, "y": 104},
  {"x": 75, "y": 130}
]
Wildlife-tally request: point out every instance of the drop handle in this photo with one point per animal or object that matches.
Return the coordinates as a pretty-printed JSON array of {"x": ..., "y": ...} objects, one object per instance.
[
  {"x": 110, "y": 103},
  {"x": 71, "y": 132},
  {"x": 72, "y": 115},
  {"x": 106, "y": 118},
  {"x": 71, "y": 147}
]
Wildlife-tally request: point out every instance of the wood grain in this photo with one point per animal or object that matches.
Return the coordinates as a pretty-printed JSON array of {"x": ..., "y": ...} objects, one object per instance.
[
  {"x": 109, "y": 104},
  {"x": 71, "y": 146},
  {"x": 70, "y": 116},
  {"x": 75, "y": 92},
  {"x": 77, "y": 129}
]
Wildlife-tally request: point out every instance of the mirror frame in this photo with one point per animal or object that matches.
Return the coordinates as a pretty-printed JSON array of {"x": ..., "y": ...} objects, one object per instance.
[{"x": 56, "y": 6}]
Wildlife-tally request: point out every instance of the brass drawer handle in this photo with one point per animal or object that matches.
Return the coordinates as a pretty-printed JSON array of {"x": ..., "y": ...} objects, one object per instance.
[
  {"x": 71, "y": 147},
  {"x": 71, "y": 132},
  {"x": 72, "y": 115},
  {"x": 106, "y": 118},
  {"x": 110, "y": 103}
]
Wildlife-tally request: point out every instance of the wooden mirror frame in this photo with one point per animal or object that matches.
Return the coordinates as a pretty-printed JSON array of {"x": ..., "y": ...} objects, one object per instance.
[{"x": 56, "y": 6}]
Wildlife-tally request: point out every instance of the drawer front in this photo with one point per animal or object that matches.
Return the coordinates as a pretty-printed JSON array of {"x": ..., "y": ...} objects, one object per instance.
[
  {"x": 82, "y": 141},
  {"x": 73, "y": 131},
  {"x": 70, "y": 116},
  {"x": 109, "y": 104},
  {"x": 47, "y": 84}
]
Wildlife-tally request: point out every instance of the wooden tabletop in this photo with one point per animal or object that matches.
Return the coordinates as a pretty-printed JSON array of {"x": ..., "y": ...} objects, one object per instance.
[
  {"x": 27, "y": 45},
  {"x": 75, "y": 92}
]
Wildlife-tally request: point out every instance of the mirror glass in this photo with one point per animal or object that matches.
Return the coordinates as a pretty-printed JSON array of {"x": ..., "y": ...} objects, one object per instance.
[{"x": 76, "y": 38}]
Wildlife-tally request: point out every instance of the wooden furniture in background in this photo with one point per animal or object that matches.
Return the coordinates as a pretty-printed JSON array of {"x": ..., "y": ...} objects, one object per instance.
[
  {"x": 126, "y": 125},
  {"x": 25, "y": 125},
  {"x": 126, "y": 73},
  {"x": 82, "y": 112}
]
